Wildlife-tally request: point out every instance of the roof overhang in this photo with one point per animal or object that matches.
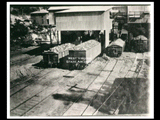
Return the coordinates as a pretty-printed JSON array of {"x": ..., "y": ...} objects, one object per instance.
[
  {"x": 58, "y": 8},
  {"x": 85, "y": 9},
  {"x": 40, "y": 12}
]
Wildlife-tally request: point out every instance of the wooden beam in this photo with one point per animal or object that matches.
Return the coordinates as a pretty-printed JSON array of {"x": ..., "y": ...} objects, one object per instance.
[{"x": 59, "y": 37}]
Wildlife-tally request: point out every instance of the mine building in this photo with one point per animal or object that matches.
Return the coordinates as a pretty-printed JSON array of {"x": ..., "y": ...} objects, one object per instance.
[
  {"x": 40, "y": 17},
  {"x": 82, "y": 22}
]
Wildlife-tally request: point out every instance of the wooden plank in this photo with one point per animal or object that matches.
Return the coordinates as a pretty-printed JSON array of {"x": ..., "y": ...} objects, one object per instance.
[
  {"x": 42, "y": 95},
  {"x": 79, "y": 21},
  {"x": 17, "y": 85},
  {"x": 110, "y": 65},
  {"x": 34, "y": 88},
  {"x": 144, "y": 72},
  {"x": 23, "y": 95},
  {"x": 125, "y": 68},
  {"x": 107, "y": 87},
  {"x": 131, "y": 74},
  {"x": 134, "y": 65},
  {"x": 38, "y": 101},
  {"x": 56, "y": 104},
  {"x": 16, "y": 112},
  {"x": 88, "y": 78},
  {"x": 48, "y": 103},
  {"x": 38, "y": 77},
  {"x": 95, "y": 86}
]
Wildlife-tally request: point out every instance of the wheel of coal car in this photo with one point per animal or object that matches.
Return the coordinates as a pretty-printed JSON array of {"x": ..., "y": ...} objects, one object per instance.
[
  {"x": 71, "y": 66},
  {"x": 78, "y": 66},
  {"x": 82, "y": 66},
  {"x": 119, "y": 54}
]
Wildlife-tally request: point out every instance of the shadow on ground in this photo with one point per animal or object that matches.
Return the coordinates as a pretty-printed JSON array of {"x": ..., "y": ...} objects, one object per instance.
[
  {"x": 39, "y": 50},
  {"x": 130, "y": 97}
]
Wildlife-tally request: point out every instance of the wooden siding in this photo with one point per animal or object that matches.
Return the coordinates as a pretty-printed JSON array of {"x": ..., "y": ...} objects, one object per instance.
[
  {"x": 51, "y": 18},
  {"x": 39, "y": 19},
  {"x": 139, "y": 8},
  {"x": 107, "y": 26},
  {"x": 121, "y": 9},
  {"x": 79, "y": 21},
  {"x": 85, "y": 21}
]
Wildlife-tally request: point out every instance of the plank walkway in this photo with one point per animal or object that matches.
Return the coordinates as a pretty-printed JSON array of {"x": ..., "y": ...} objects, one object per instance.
[{"x": 75, "y": 93}]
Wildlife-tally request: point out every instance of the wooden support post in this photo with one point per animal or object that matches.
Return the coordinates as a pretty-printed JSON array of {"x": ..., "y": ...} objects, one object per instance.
[
  {"x": 106, "y": 37},
  {"x": 50, "y": 36},
  {"x": 59, "y": 37},
  {"x": 102, "y": 39},
  {"x": 127, "y": 14}
]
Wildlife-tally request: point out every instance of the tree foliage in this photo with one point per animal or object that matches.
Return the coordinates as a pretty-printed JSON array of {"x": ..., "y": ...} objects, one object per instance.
[
  {"x": 25, "y": 9},
  {"x": 18, "y": 31}
]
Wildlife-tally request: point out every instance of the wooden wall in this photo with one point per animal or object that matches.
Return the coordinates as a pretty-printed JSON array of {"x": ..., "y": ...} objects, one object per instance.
[
  {"x": 139, "y": 8},
  {"x": 84, "y": 21},
  {"x": 51, "y": 18},
  {"x": 39, "y": 18},
  {"x": 79, "y": 21},
  {"x": 121, "y": 9}
]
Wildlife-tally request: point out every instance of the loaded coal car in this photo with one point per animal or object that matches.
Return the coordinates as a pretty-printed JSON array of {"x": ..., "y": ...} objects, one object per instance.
[
  {"x": 116, "y": 48},
  {"x": 84, "y": 53},
  {"x": 53, "y": 56},
  {"x": 140, "y": 44}
]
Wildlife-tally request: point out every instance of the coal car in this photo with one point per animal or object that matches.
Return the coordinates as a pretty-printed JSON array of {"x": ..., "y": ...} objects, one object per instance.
[
  {"x": 140, "y": 44},
  {"x": 53, "y": 56},
  {"x": 84, "y": 53},
  {"x": 115, "y": 48}
]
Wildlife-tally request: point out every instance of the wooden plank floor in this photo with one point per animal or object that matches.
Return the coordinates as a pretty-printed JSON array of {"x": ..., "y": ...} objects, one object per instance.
[{"x": 79, "y": 92}]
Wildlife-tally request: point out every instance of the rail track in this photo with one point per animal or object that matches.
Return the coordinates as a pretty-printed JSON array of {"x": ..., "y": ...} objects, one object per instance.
[
  {"x": 18, "y": 62},
  {"x": 45, "y": 89},
  {"x": 86, "y": 89},
  {"x": 36, "y": 103},
  {"x": 116, "y": 89},
  {"x": 91, "y": 101},
  {"x": 34, "y": 94},
  {"x": 27, "y": 82},
  {"x": 96, "y": 92}
]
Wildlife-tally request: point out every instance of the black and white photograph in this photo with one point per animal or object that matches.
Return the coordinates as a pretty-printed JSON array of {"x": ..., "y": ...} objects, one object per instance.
[{"x": 80, "y": 60}]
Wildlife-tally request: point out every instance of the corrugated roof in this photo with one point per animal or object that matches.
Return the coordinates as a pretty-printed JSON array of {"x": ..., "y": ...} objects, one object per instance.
[
  {"x": 40, "y": 12},
  {"x": 118, "y": 42},
  {"x": 85, "y": 9}
]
